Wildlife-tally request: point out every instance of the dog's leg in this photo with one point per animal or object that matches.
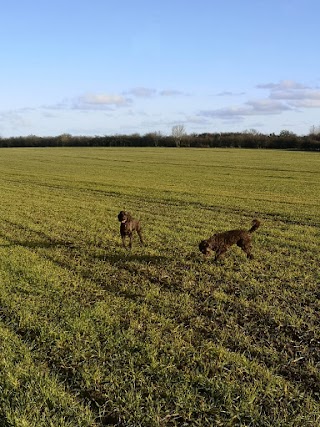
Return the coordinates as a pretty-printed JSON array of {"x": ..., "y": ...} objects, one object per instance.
[
  {"x": 123, "y": 238},
  {"x": 247, "y": 250},
  {"x": 140, "y": 237},
  {"x": 130, "y": 241},
  {"x": 220, "y": 252}
]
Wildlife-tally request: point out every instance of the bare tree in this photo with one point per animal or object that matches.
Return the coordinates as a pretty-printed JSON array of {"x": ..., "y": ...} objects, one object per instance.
[
  {"x": 178, "y": 132},
  {"x": 314, "y": 130},
  {"x": 252, "y": 132},
  {"x": 286, "y": 133},
  {"x": 154, "y": 137}
]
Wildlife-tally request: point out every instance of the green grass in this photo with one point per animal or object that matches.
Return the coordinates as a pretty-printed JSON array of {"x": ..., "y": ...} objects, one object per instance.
[{"x": 94, "y": 335}]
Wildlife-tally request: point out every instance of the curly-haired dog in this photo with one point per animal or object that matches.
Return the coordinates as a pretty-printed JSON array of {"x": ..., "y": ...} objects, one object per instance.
[
  {"x": 128, "y": 226},
  {"x": 220, "y": 242}
]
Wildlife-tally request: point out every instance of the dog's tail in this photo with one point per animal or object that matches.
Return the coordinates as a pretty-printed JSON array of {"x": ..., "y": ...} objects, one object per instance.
[{"x": 255, "y": 224}]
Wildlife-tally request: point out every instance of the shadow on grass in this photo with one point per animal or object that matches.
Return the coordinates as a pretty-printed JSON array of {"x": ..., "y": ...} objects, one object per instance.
[
  {"x": 40, "y": 244},
  {"x": 115, "y": 258},
  {"x": 35, "y": 239}
]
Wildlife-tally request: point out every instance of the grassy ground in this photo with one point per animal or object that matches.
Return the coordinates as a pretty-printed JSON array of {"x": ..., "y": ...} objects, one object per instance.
[{"x": 93, "y": 335}]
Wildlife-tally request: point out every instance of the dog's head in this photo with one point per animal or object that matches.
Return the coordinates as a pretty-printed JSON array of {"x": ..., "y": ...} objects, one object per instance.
[
  {"x": 124, "y": 216},
  {"x": 204, "y": 247}
]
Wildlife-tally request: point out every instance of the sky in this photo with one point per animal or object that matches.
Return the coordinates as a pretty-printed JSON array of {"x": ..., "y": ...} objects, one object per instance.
[{"x": 102, "y": 67}]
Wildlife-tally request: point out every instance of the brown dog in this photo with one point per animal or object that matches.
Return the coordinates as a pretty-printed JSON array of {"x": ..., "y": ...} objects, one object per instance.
[
  {"x": 220, "y": 242},
  {"x": 128, "y": 226}
]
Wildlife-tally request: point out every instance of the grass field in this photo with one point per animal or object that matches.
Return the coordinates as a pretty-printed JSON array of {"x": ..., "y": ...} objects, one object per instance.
[{"x": 93, "y": 335}]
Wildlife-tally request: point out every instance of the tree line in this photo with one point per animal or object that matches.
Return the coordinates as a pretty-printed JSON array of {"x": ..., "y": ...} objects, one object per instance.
[{"x": 250, "y": 139}]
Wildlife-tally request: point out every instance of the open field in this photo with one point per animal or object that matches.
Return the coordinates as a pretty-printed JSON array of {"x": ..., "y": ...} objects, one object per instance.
[{"x": 93, "y": 335}]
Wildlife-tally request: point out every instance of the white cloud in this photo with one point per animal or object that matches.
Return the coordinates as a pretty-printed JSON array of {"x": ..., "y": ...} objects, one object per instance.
[
  {"x": 102, "y": 100},
  {"x": 250, "y": 108},
  {"x": 306, "y": 103},
  {"x": 282, "y": 85},
  {"x": 171, "y": 92},
  {"x": 287, "y": 95},
  {"x": 144, "y": 92},
  {"x": 229, "y": 93},
  {"x": 14, "y": 118},
  {"x": 266, "y": 106},
  {"x": 141, "y": 92},
  {"x": 296, "y": 94}
]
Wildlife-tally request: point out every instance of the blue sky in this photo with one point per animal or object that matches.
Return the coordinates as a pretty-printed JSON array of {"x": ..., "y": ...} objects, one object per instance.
[{"x": 101, "y": 67}]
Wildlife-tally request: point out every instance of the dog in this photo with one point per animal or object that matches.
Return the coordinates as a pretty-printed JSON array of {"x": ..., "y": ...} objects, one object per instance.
[
  {"x": 128, "y": 226},
  {"x": 221, "y": 242}
]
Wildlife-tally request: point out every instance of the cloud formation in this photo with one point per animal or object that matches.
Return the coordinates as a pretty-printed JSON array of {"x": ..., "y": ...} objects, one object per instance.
[
  {"x": 101, "y": 100},
  {"x": 130, "y": 108},
  {"x": 250, "y": 108},
  {"x": 294, "y": 94},
  {"x": 141, "y": 92},
  {"x": 13, "y": 118},
  {"x": 282, "y": 85},
  {"x": 286, "y": 95},
  {"x": 229, "y": 93},
  {"x": 171, "y": 92}
]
